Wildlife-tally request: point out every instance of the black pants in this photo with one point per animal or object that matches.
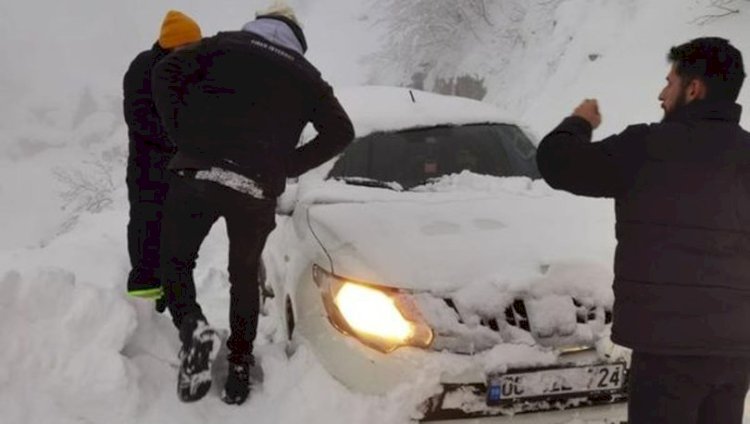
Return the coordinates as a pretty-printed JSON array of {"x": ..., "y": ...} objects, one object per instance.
[
  {"x": 667, "y": 389},
  {"x": 192, "y": 208},
  {"x": 148, "y": 183}
]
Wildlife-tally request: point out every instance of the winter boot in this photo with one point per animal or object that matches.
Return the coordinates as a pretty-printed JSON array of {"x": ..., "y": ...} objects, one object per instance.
[
  {"x": 201, "y": 344},
  {"x": 237, "y": 387},
  {"x": 161, "y": 304}
]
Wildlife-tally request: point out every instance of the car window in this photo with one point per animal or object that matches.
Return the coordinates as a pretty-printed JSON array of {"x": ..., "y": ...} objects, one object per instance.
[{"x": 414, "y": 156}]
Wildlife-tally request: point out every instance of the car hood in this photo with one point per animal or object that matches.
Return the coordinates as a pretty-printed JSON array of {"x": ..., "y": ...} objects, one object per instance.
[{"x": 512, "y": 234}]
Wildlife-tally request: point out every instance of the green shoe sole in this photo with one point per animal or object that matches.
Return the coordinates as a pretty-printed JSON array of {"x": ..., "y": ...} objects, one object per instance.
[{"x": 155, "y": 293}]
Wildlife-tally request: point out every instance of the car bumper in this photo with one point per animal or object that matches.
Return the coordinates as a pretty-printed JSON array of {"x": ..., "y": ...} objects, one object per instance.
[
  {"x": 430, "y": 373},
  {"x": 607, "y": 414}
]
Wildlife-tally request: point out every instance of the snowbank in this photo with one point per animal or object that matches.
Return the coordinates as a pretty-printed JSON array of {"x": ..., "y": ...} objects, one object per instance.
[
  {"x": 76, "y": 348},
  {"x": 61, "y": 358}
]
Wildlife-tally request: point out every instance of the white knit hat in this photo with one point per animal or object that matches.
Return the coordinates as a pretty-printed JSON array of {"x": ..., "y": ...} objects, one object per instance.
[{"x": 279, "y": 8}]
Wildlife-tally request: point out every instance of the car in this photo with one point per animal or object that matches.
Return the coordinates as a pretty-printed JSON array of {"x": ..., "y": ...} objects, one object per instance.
[{"x": 430, "y": 254}]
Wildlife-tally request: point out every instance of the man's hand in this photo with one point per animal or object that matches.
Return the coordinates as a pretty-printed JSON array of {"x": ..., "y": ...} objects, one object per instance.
[{"x": 589, "y": 110}]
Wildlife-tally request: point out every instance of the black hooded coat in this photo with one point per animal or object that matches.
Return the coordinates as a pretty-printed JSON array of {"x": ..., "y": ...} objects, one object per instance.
[{"x": 239, "y": 102}]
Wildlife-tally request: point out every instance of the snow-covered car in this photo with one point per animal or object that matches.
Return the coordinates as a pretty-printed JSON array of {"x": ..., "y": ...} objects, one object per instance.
[{"x": 429, "y": 255}]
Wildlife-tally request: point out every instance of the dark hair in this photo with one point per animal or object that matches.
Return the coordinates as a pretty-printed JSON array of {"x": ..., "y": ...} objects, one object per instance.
[{"x": 715, "y": 62}]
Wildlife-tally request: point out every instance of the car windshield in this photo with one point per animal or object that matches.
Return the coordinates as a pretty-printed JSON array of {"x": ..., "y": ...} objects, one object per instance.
[{"x": 413, "y": 157}]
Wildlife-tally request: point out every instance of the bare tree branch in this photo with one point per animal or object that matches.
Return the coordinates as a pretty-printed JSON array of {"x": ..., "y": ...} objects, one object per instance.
[
  {"x": 723, "y": 10},
  {"x": 87, "y": 190}
]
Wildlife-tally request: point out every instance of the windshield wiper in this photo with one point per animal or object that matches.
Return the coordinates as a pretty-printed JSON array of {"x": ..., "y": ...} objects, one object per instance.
[
  {"x": 426, "y": 181},
  {"x": 370, "y": 182}
]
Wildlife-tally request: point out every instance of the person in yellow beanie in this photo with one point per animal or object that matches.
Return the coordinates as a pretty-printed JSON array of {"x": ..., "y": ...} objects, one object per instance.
[
  {"x": 178, "y": 30},
  {"x": 150, "y": 150}
]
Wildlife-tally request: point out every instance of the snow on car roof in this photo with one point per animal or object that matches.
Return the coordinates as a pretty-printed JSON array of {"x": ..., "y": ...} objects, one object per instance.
[{"x": 379, "y": 108}]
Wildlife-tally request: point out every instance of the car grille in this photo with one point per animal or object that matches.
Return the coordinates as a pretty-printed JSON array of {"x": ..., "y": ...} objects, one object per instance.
[
  {"x": 489, "y": 330},
  {"x": 586, "y": 313},
  {"x": 516, "y": 315}
]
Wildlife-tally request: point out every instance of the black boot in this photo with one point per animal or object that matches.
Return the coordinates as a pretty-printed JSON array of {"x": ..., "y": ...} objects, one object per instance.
[
  {"x": 200, "y": 346},
  {"x": 237, "y": 387},
  {"x": 161, "y": 304}
]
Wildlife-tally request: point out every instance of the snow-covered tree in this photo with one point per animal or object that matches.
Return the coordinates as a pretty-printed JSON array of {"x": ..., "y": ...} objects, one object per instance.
[{"x": 443, "y": 45}]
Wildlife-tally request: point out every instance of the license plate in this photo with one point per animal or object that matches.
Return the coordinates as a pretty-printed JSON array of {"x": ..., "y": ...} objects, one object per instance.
[{"x": 556, "y": 382}]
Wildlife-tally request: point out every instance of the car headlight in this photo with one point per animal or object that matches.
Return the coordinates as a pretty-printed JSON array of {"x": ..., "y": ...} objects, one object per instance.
[{"x": 380, "y": 317}]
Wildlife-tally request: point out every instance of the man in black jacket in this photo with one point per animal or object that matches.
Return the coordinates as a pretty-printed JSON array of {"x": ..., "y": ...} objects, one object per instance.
[
  {"x": 149, "y": 153},
  {"x": 682, "y": 264},
  {"x": 236, "y": 105}
]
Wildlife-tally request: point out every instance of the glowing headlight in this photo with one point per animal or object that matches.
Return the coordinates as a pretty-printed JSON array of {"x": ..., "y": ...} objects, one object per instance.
[
  {"x": 372, "y": 312},
  {"x": 379, "y": 317}
]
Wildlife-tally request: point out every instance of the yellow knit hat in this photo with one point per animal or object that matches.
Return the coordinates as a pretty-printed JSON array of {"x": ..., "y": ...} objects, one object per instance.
[{"x": 178, "y": 29}]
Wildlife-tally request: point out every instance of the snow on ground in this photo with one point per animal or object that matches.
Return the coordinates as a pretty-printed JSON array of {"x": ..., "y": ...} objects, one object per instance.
[{"x": 76, "y": 349}]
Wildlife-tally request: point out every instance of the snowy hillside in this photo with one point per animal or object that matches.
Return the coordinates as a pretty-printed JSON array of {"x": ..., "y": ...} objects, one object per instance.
[
  {"x": 538, "y": 60},
  {"x": 76, "y": 349}
]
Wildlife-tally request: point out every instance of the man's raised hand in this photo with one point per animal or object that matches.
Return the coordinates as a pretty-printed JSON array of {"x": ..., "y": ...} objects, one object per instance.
[{"x": 589, "y": 110}]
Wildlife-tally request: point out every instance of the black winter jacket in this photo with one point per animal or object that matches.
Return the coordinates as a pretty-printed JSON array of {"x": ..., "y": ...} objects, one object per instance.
[
  {"x": 145, "y": 128},
  {"x": 682, "y": 203},
  {"x": 239, "y": 102}
]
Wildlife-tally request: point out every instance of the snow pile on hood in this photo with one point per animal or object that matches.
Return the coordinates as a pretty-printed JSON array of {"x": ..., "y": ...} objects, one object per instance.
[
  {"x": 464, "y": 185},
  {"x": 471, "y": 182},
  {"x": 462, "y": 230},
  {"x": 483, "y": 243}
]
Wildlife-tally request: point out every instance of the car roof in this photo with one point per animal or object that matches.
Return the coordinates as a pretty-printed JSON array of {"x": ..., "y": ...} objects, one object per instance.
[
  {"x": 374, "y": 109},
  {"x": 384, "y": 109}
]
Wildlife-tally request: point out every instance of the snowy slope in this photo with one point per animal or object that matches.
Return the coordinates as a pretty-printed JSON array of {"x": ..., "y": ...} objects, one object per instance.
[{"x": 74, "y": 348}]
